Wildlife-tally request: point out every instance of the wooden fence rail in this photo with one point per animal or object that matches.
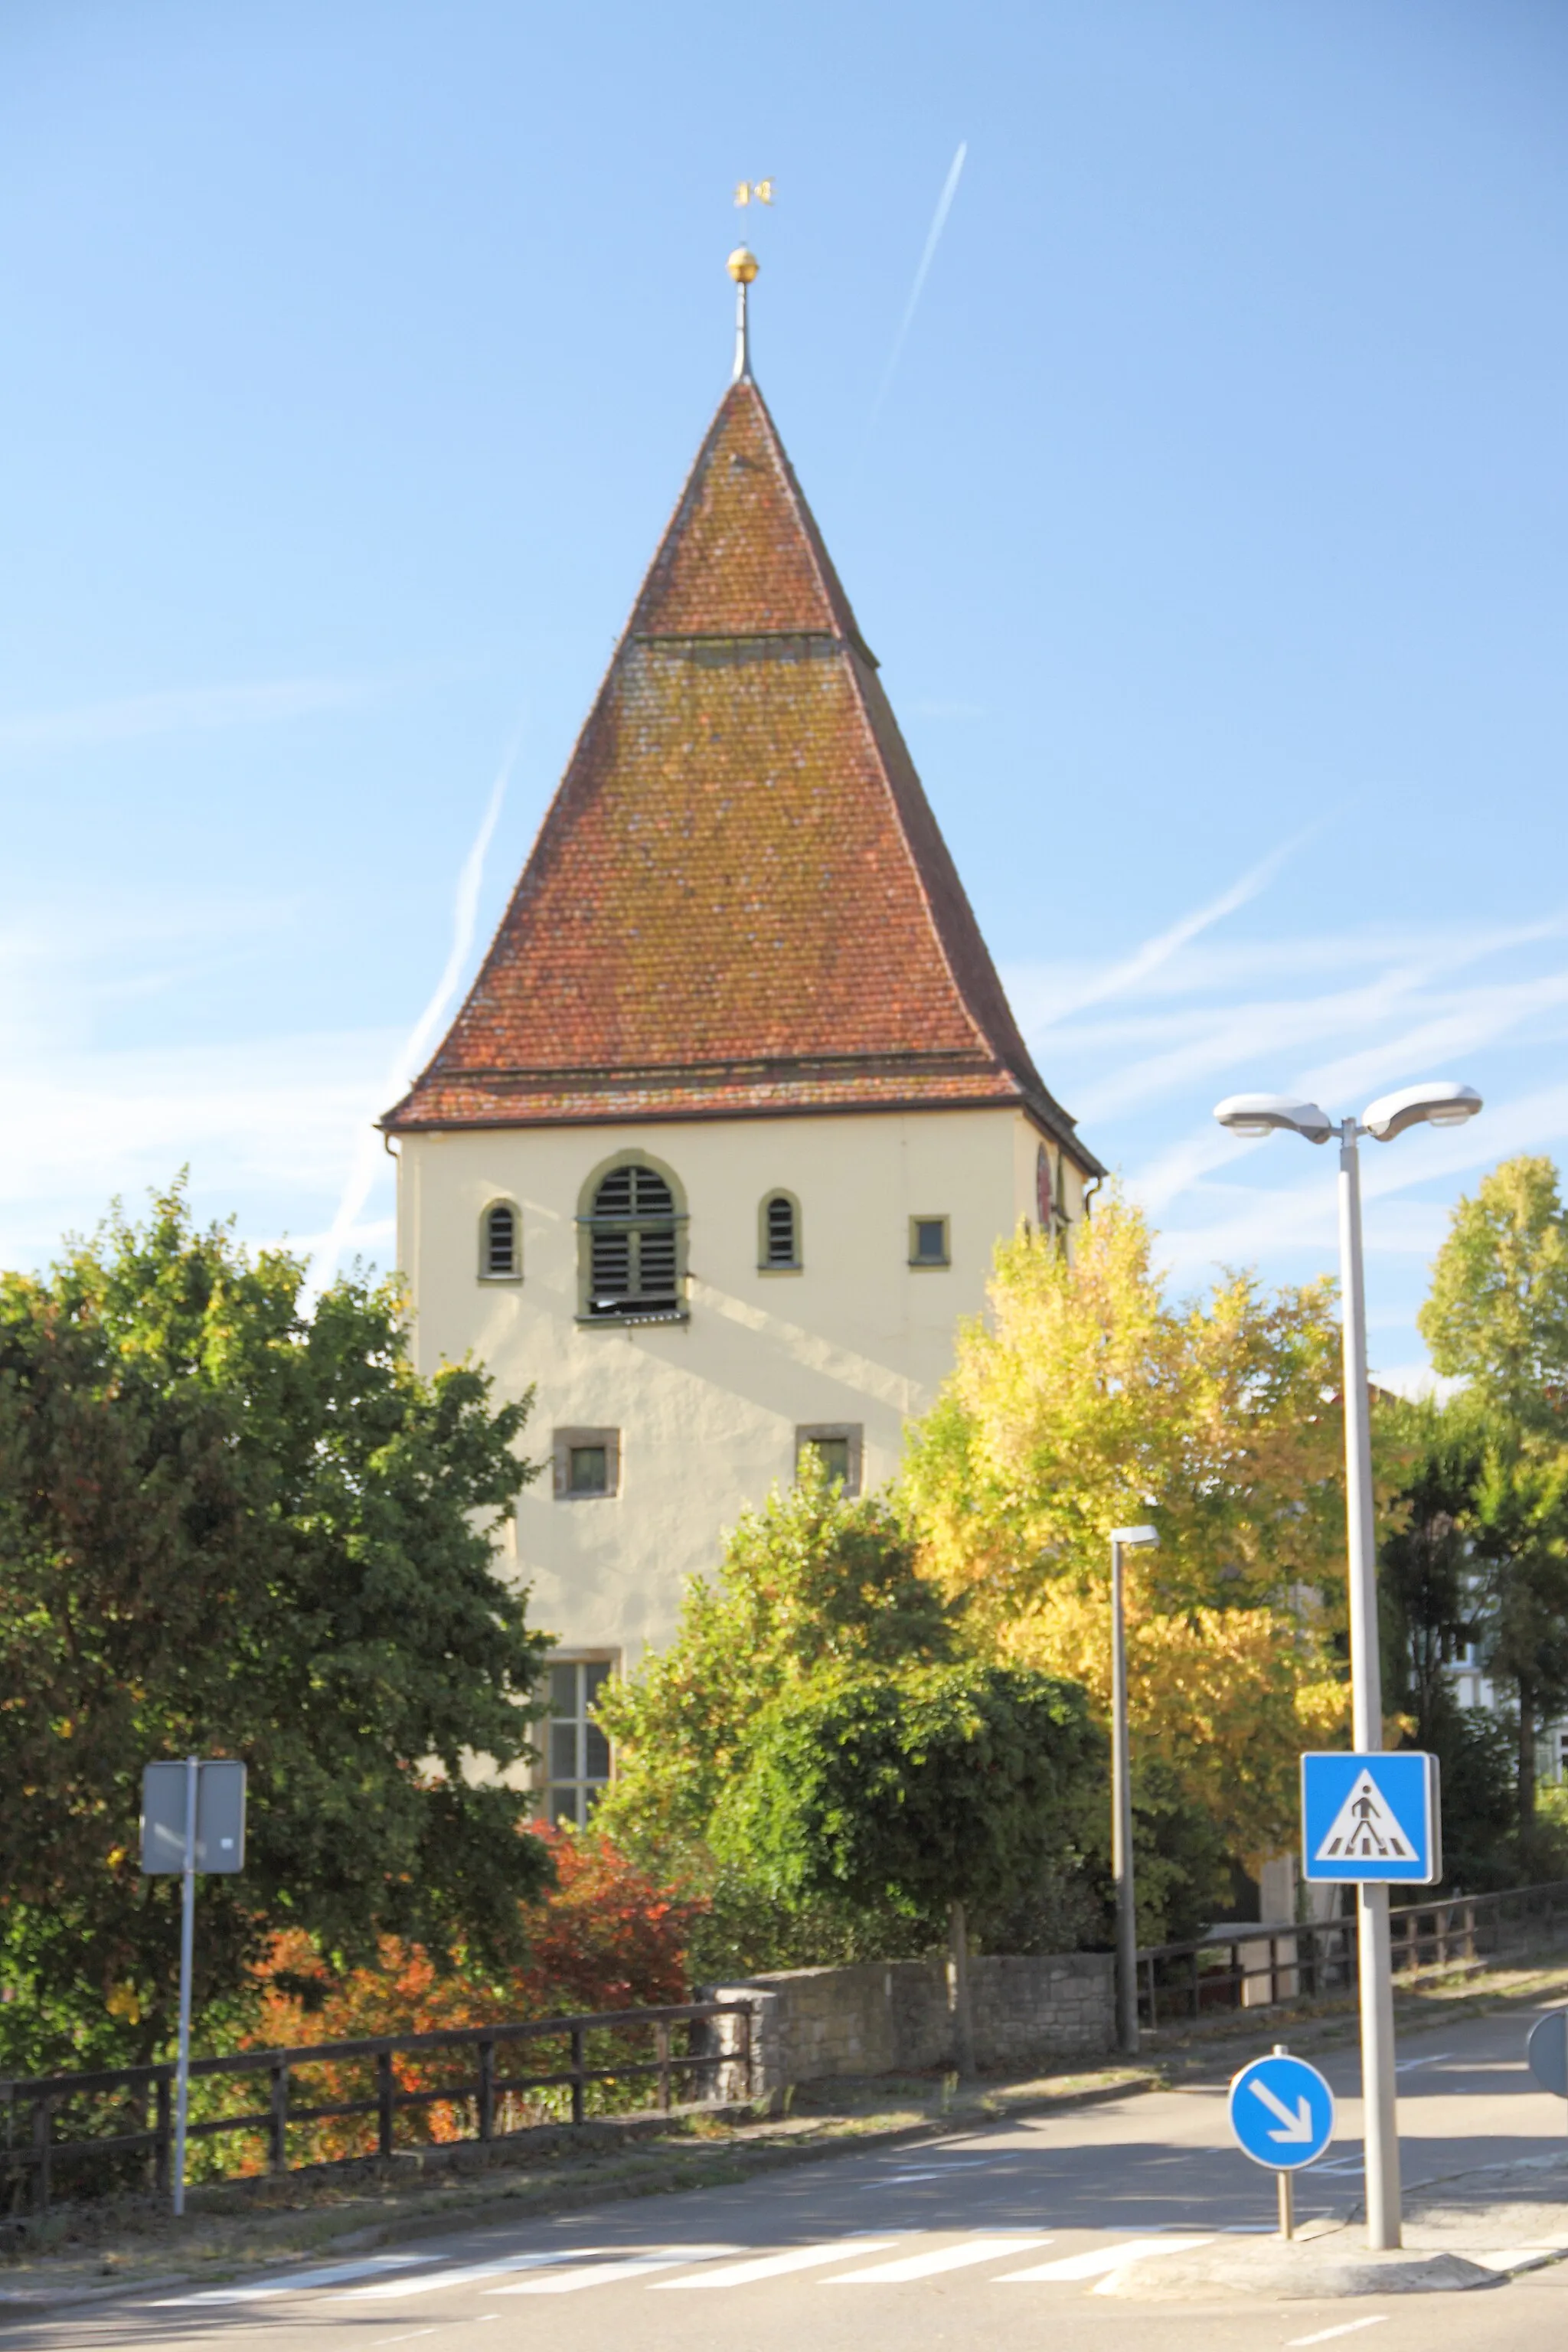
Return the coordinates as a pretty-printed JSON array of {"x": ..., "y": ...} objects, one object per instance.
[
  {"x": 1246, "y": 1967},
  {"x": 32, "y": 2148}
]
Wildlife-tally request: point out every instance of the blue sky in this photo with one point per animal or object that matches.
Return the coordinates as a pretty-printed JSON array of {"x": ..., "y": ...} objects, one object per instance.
[{"x": 1210, "y": 530}]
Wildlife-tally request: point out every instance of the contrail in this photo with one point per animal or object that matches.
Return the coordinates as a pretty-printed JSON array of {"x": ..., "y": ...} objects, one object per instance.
[
  {"x": 1160, "y": 950},
  {"x": 943, "y": 206},
  {"x": 367, "y": 1158}
]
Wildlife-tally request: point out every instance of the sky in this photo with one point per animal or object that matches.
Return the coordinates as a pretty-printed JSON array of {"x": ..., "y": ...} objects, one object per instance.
[{"x": 1181, "y": 392}]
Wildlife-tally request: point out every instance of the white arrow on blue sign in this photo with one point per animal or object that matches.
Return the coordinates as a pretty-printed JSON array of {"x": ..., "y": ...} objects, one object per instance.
[
  {"x": 1282, "y": 2111},
  {"x": 1372, "y": 1819}
]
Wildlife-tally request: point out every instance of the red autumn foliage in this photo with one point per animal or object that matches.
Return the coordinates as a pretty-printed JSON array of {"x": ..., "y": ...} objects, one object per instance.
[{"x": 606, "y": 1936}]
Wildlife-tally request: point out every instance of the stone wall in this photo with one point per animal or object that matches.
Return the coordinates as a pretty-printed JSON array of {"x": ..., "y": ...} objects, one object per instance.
[{"x": 892, "y": 2017}]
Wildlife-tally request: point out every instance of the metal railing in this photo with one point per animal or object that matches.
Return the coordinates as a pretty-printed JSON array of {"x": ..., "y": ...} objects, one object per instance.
[
  {"x": 1247, "y": 1967},
  {"x": 32, "y": 2109}
]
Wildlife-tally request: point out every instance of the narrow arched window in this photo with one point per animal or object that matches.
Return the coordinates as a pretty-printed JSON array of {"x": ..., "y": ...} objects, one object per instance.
[
  {"x": 633, "y": 1245},
  {"x": 501, "y": 1242},
  {"x": 778, "y": 1240}
]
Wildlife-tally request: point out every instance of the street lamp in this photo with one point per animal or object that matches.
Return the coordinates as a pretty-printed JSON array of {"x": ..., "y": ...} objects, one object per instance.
[
  {"x": 1440, "y": 1103},
  {"x": 1123, "y": 1538}
]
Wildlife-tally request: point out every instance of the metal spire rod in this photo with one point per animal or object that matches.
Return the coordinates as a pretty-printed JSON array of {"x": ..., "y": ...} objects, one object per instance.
[{"x": 742, "y": 268}]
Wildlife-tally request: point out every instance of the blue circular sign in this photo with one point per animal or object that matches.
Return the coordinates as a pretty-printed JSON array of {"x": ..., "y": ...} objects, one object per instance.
[{"x": 1282, "y": 2111}]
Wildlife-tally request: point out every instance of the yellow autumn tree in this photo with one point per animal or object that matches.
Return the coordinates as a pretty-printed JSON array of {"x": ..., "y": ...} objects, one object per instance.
[{"x": 1085, "y": 1400}]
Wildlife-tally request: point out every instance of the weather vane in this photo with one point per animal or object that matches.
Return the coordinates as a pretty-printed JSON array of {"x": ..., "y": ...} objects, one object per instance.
[{"x": 743, "y": 267}]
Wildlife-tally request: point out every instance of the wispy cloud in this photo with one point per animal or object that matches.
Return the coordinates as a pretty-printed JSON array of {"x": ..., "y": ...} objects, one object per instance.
[
  {"x": 369, "y": 1160},
  {"x": 178, "y": 711},
  {"x": 933, "y": 239}
]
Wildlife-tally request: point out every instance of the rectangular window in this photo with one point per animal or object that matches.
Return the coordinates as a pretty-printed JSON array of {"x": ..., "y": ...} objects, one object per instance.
[
  {"x": 839, "y": 1445},
  {"x": 587, "y": 1464},
  {"x": 577, "y": 1754},
  {"x": 928, "y": 1242}
]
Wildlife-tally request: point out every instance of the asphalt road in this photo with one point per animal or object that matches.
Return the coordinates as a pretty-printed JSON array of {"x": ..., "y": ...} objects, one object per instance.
[{"x": 999, "y": 2234}]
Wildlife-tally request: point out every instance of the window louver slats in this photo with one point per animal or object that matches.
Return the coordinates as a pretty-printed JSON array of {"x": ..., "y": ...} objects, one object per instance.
[{"x": 634, "y": 1260}]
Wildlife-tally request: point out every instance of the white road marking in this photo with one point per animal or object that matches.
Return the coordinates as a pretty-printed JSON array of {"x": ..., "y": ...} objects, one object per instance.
[
  {"x": 293, "y": 2280},
  {"x": 942, "y": 2258},
  {"x": 764, "y": 2266},
  {"x": 1403, "y": 2067},
  {"x": 627, "y": 2267},
  {"x": 467, "y": 2273},
  {"x": 1102, "y": 2259},
  {"x": 1345, "y": 2327}
]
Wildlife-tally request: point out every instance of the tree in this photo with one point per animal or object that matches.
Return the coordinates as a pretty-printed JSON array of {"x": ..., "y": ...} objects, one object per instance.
[
  {"x": 1497, "y": 1319},
  {"x": 1497, "y": 1315},
  {"x": 1085, "y": 1400},
  {"x": 815, "y": 1578},
  {"x": 1434, "y": 1603},
  {"x": 935, "y": 1790},
  {"x": 229, "y": 1526},
  {"x": 819, "y": 1592}
]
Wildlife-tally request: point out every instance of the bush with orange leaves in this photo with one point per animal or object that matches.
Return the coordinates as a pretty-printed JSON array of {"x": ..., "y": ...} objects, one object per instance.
[{"x": 608, "y": 1935}]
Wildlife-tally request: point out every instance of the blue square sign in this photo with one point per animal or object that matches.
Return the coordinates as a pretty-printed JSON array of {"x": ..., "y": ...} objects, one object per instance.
[{"x": 1372, "y": 1819}]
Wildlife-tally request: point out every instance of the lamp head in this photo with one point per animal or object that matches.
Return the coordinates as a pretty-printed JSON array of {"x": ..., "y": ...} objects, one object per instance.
[
  {"x": 1259, "y": 1114},
  {"x": 1440, "y": 1102},
  {"x": 1127, "y": 1536}
]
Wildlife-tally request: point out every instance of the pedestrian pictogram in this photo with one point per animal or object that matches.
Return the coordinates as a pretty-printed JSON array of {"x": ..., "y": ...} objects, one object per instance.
[
  {"x": 1364, "y": 1829},
  {"x": 1371, "y": 1818}
]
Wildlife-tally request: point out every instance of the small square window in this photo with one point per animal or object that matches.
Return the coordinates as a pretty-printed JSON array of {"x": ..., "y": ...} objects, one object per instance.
[
  {"x": 839, "y": 1446},
  {"x": 928, "y": 1242},
  {"x": 587, "y": 1464}
]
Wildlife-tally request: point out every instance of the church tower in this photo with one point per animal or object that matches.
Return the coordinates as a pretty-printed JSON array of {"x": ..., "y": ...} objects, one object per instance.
[{"x": 717, "y": 1150}]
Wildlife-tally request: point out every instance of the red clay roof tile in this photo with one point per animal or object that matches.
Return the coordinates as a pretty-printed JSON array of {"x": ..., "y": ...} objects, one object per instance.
[{"x": 739, "y": 903}]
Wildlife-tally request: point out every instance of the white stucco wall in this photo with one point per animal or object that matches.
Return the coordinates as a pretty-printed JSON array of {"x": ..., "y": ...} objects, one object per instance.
[{"x": 707, "y": 1410}]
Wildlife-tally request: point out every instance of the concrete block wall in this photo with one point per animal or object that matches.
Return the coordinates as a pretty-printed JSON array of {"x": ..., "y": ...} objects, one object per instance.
[{"x": 897, "y": 2016}]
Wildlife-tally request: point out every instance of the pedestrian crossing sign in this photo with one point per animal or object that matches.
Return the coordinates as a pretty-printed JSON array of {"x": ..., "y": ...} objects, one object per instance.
[{"x": 1373, "y": 1820}]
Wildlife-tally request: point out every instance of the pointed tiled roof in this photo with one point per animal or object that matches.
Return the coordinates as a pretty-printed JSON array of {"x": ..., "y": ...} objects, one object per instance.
[{"x": 739, "y": 902}]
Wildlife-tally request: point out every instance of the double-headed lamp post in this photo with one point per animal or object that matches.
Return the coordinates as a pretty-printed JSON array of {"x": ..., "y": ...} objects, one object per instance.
[
  {"x": 1441, "y": 1103},
  {"x": 1123, "y": 1540}
]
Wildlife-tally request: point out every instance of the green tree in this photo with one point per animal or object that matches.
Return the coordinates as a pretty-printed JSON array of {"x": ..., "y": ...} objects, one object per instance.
[
  {"x": 1497, "y": 1315},
  {"x": 815, "y": 1578},
  {"x": 231, "y": 1526},
  {"x": 935, "y": 1791},
  {"x": 1433, "y": 1591},
  {"x": 1497, "y": 1319}
]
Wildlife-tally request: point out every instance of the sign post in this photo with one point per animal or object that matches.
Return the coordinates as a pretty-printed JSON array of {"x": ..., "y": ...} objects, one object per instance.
[
  {"x": 192, "y": 1819},
  {"x": 1371, "y": 1819},
  {"x": 1282, "y": 2114}
]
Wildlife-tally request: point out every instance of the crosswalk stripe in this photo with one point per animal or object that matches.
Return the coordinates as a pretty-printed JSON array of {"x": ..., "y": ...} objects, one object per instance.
[
  {"x": 1101, "y": 2258},
  {"x": 942, "y": 2258},
  {"x": 631, "y": 2266},
  {"x": 332, "y": 2274},
  {"x": 468, "y": 2274},
  {"x": 767, "y": 2266}
]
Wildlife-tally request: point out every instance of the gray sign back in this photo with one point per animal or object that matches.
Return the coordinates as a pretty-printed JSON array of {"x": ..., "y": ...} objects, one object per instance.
[
  {"x": 220, "y": 1817},
  {"x": 1547, "y": 2051}
]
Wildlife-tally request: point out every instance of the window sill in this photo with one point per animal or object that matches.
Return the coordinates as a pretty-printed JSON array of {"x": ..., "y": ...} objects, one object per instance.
[
  {"x": 931, "y": 1265},
  {"x": 500, "y": 1281},
  {"x": 781, "y": 1269},
  {"x": 653, "y": 1315}
]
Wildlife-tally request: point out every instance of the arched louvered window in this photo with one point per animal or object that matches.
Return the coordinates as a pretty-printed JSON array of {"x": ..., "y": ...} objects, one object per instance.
[
  {"x": 501, "y": 1242},
  {"x": 633, "y": 1253},
  {"x": 778, "y": 1235}
]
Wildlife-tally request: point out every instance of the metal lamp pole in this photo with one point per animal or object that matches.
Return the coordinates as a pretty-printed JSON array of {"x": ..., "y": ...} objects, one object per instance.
[
  {"x": 1374, "y": 1962},
  {"x": 1122, "y": 1799},
  {"x": 1440, "y": 1103}
]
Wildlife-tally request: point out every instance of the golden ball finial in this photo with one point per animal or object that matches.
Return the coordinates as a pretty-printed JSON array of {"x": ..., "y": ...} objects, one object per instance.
[{"x": 742, "y": 265}]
